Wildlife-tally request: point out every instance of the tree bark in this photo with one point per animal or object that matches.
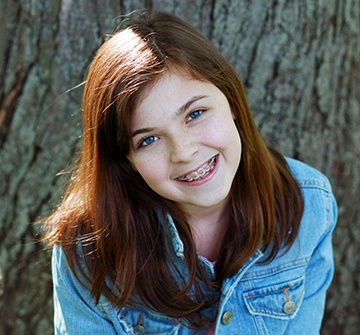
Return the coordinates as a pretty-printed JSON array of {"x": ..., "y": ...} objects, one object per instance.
[{"x": 299, "y": 61}]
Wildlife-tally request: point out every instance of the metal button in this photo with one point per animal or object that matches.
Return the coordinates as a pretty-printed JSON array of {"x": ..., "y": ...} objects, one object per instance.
[
  {"x": 289, "y": 307},
  {"x": 227, "y": 317},
  {"x": 139, "y": 329}
]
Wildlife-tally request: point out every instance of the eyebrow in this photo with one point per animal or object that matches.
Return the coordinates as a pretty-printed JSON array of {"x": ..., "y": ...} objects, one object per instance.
[
  {"x": 189, "y": 103},
  {"x": 181, "y": 110}
]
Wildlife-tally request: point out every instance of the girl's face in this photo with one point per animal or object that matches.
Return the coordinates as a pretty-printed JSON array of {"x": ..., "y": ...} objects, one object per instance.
[{"x": 184, "y": 142}]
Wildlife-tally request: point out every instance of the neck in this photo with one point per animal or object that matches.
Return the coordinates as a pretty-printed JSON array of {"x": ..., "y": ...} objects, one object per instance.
[{"x": 209, "y": 227}]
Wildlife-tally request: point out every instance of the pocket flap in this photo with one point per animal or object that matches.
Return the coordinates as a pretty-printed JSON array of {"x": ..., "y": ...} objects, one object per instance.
[{"x": 280, "y": 301}]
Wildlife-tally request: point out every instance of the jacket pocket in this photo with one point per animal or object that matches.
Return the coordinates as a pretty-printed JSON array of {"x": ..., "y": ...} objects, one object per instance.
[
  {"x": 281, "y": 301},
  {"x": 138, "y": 321}
]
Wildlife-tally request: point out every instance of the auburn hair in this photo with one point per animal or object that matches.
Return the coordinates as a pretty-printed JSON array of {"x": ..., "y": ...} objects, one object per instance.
[{"x": 112, "y": 226}]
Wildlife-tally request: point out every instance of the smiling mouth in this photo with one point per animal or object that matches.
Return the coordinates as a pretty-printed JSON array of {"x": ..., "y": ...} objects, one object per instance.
[{"x": 201, "y": 172}]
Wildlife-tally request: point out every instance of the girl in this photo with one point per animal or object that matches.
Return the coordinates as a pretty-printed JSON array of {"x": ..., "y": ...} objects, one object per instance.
[{"x": 179, "y": 219}]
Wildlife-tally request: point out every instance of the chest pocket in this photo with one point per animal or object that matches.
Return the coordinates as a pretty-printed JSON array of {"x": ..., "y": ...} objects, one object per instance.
[
  {"x": 139, "y": 322},
  {"x": 281, "y": 301}
]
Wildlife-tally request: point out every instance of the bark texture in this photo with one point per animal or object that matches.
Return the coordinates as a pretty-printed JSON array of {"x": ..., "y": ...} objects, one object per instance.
[{"x": 299, "y": 60}]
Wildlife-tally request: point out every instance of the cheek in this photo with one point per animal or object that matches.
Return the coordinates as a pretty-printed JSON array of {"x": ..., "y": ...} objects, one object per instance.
[
  {"x": 151, "y": 170},
  {"x": 224, "y": 134}
]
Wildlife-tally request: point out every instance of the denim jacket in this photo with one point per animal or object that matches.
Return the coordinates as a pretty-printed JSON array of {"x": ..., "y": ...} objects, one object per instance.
[{"x": 285, "y": 296}]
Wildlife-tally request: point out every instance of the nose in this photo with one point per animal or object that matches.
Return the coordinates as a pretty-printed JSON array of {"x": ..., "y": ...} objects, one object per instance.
[{"x": 183, "y": 149}]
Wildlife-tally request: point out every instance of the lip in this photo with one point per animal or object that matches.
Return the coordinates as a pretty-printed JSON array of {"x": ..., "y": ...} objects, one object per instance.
[{"x": 203, "y": 180}]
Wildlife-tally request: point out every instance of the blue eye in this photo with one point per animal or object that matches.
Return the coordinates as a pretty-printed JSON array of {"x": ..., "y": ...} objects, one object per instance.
[
  {"x": 147, "y": 141},
  {"x": 194, "y": 115}
]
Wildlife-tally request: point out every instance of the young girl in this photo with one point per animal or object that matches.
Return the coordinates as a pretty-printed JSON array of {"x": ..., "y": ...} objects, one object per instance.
[{"x": 179, "y": 219}]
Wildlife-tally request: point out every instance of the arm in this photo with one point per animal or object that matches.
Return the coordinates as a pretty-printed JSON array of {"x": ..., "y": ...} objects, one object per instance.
[
  {"x": 75, "y": 309},
  {"x": 319, "y": 274}
]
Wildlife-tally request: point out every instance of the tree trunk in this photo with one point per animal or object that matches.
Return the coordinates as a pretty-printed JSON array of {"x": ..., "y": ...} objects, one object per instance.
[{"x": 299, "y": 61}]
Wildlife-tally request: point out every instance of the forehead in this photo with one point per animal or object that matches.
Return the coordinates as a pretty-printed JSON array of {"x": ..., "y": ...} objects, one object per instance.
[
  {"x": 153, "y": 99},
  {"x": 166, "y": 77},
  {"x": 169, "y": 93}
]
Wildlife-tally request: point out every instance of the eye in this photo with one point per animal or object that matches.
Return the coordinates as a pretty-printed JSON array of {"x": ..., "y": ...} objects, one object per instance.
[
  {"x": 147, "y": 141},
  {"x": 195, "y": 114}
]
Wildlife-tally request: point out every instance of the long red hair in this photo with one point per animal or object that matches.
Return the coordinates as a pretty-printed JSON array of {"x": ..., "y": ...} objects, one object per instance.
[{"x": 119, "y": 222}]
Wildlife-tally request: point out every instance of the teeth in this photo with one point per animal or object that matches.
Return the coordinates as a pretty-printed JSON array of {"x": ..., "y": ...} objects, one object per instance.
[{"x": 200, "y": 173}]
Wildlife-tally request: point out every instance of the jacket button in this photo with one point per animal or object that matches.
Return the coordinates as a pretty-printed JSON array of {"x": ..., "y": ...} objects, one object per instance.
[
  {"x": 289, "y": 307},
  {"x": 227, "y": 317},
  {"x": 139, "y": 329}
]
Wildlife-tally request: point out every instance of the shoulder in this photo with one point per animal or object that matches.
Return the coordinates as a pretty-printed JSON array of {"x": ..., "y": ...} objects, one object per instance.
[
  {"x": 307, "y": 176},
  {"x": 320, "y": 208},
  {"x": 74, "y": 286},
  {"x": 63, "y": 276}
]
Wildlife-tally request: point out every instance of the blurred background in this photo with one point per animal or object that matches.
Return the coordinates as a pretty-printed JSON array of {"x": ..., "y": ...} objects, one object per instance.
[{"x": 299, "y": 61}]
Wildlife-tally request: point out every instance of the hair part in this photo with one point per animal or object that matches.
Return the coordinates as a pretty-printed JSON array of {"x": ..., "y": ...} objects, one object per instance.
[{"x": 114, "y": 216}]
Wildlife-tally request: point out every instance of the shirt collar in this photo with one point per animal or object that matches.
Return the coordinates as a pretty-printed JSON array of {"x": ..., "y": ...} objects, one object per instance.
[{"x": 178, "y": 245}]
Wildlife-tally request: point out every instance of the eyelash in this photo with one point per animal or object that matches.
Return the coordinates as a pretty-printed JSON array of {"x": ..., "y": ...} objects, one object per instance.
[
  {"x": 198, "y": 112},
  {"x": 142, "y": 141}
]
